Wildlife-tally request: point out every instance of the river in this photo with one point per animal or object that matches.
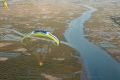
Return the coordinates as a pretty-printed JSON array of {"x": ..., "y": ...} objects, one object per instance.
[{"x": 99, "y": 64}]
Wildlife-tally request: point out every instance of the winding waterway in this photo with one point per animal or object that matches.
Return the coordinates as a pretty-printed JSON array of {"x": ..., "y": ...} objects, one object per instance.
[{"x": 99, "y": 64}]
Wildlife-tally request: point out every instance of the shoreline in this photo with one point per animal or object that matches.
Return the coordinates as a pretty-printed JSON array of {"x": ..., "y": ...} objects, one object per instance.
[
  {"x": 102, "y": 48},
  {"x": 80, "y": 60},
  {"x": 107, "y": 52},
  {"x": 85, "y": 72}
]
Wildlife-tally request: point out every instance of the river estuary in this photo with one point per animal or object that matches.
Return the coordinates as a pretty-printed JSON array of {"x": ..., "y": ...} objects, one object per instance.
[{"x": 99, "y": 64}]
